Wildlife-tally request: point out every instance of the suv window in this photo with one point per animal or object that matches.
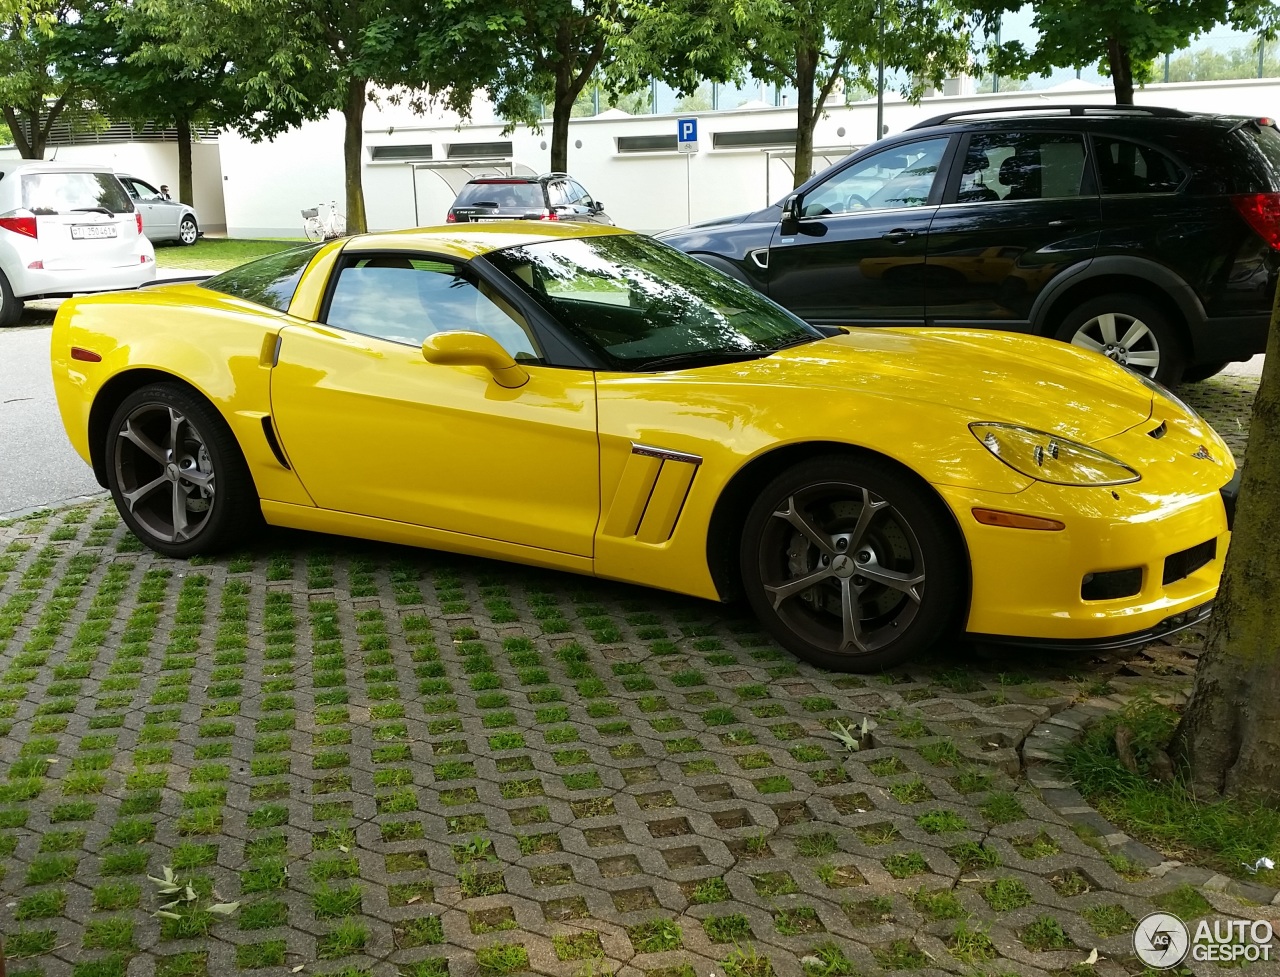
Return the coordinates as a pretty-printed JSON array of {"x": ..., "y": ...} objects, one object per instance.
[
  {"x": 269, "y": 281},
  {"x": 1021, "y": 166},
  {"x": 67, "y": 193},
  {"x": 1129, "y": 167},
  {"x": 404, "y": 300},
  {"x": 898, "y": 177},
  {"x": 501, "y": 194},
  {"x": 581, "y": 195}
]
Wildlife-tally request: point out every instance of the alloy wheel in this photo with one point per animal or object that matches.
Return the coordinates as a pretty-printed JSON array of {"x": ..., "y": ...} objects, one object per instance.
[
  {"x": 842, "y": 568},
  {"x": 164, "y": 472},
  {"x": 188, "y": 232},
  {"x": 1122, "y": 337}
]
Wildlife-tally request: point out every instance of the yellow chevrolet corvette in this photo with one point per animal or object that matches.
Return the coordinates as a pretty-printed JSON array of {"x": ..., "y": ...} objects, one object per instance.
[{"x": 588, "y": 399}]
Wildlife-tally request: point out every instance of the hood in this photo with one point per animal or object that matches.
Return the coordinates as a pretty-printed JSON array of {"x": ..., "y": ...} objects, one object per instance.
[
  {"x": 982, "y": 376},
  {"x": 702, "y": 226}
]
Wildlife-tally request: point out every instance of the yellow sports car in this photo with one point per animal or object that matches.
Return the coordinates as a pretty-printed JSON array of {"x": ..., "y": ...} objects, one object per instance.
[{"x": 588, "y": 399}]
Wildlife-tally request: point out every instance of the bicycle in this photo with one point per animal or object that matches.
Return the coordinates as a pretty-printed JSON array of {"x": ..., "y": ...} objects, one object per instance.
[{"x": 332, "y": 226}]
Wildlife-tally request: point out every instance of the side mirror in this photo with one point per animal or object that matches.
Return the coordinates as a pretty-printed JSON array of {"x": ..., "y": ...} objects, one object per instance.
[
  {"x": 791, "y": 215},
  {"x": 598, "y": 208},
  {"x": 459, "y": 348}
]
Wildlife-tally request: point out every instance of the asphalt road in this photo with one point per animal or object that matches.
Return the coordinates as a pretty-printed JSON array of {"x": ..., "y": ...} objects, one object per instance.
[
  {"x": 38, "y": 467},
  {"x": 37, "y": 464}
]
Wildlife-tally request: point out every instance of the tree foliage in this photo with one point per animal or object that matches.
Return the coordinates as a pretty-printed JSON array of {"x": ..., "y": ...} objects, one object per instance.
[
  {"x": 41, "y": 80},
  {"x": 1125, "y": 36},
  {"x": 810, "y": 44}
]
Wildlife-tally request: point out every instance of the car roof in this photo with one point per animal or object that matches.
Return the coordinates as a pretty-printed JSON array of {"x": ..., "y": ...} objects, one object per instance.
[
  {"x": 44, "y": 166},
  {"x": 467, "y": 241}
]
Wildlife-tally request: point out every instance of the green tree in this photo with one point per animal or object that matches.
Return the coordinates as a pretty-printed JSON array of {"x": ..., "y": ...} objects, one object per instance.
[
  {"x": 41, "y": 80},
  {"x": 555, "y": 48},
  {"x": 1210, "y": 65},
  {"x": 1125, "y": 36},
  {"x": 809, "y": 44},
  {"x": 697, "y": 101},
  {"x": 136, "y": 61},
  {"x": 1230, "y": 731}
]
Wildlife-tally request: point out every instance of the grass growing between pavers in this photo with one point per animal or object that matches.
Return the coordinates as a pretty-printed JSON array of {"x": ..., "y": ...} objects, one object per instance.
[
  {"x": 351, "y": 740},
  {"x": 1224, "y": 835}
]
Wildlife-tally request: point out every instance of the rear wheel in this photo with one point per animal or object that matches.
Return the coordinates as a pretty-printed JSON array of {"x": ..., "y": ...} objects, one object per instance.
[
  {"x": 176, "y": 473},
  {"x": 1203, "y": 371},
  {"x": 1130, "y": 330},
  {"x": 10, "y": 305},
  {"x": 313, "y": 229},
  {"x": 852, "y": 564},
  {"x": 188, "y": 232}
]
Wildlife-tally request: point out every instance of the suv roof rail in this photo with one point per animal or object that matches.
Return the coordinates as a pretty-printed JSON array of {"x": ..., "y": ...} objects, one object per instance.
[
  {"x": 1156, "y": 110},
  {"x": 553, "y": 173}
]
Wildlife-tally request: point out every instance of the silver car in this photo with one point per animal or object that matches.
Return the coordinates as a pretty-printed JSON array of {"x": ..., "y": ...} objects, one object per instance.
[{"x": 163, "y": 219}]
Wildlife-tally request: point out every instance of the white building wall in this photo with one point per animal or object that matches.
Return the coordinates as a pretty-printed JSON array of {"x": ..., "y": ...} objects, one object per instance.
[
  {"x": 155, "y": 162},
  {"x": 267, "y": 184}
]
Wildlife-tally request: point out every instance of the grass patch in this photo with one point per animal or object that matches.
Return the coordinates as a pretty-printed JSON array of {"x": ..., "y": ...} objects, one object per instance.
[
  {"x": 1184, "y": 902},
  {"x": 1221, "y": 835},
  {"x": 655, "y": 936}
]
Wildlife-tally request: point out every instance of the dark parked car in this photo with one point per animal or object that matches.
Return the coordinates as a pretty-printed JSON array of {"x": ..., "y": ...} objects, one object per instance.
[
  {"x": 550, "y": 197},
  {"x": 1150, "y": 235}
]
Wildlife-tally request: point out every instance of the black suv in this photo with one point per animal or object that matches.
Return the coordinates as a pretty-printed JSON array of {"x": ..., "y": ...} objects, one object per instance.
[
  {"x": 1150, "y": 235},
  {"x": 550, "y": 197}
]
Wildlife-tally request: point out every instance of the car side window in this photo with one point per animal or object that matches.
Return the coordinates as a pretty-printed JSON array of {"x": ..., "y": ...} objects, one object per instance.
[
  {"x": 405, "y": 299},
  {"x": 1022, "y": 166},
  {"x": 557, "y": 194},
  {"x": 269, "y": 281},
  {"x": 144, "y": 191},
  {"x": 898, "y": 177},
  {"x": 581, "y": 196},
  {"x": 1129, "y": 167}
]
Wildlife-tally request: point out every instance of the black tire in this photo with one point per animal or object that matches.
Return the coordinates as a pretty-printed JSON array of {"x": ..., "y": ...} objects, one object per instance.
[
  {"x": 10, "y": 305},
  {"x": 188, "y": 231},
  {"x": 1203, "y": 371},
  {"x": 205, "y": 484},
  {"x": 909, "y": 534},
  {"x": 1160, "y": 337}
]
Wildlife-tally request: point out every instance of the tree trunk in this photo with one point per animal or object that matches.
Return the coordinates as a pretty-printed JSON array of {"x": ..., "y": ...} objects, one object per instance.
[
  {"x": 1121, "y": 66},
  {"x": 186, "y": 187},
  {"x": 1230, "y": 731},
  {"x": 353, "y": 154},
  {"x": 806, "y": 117},
  {"x": 29, "y": 142},
  {"x": 561, "y": 112}
]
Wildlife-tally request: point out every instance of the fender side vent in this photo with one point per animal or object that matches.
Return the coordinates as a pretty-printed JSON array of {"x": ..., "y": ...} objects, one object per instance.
[
  {"x": 269, "y": 432},
  {"x": 1159, "y": 431}
]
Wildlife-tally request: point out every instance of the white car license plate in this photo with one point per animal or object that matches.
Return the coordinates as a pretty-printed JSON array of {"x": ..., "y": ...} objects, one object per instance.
[{"x": 82, "y": 232}]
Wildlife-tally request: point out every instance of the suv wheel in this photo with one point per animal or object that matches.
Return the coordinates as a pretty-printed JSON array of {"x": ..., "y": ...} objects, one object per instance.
[
  {"x": 1131, "y": 331},
  {"x": 10, "y": 305}
]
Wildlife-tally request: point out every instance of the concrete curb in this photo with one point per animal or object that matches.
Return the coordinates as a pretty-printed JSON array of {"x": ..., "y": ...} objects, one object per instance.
[
  {"x": 55, "y": 504},
  {"x": 1041, "y": 752}
]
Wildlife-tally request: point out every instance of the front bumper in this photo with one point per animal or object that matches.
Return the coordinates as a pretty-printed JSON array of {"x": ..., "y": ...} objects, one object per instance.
[
  {"x": 1169, "y": 626},
  {"x": 1026, "y": 584}
]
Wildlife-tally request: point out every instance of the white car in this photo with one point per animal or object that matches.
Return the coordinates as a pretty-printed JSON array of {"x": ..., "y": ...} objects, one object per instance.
[
  {"x": 67, "y": 228},
  {"x": 163, "y": 219}
]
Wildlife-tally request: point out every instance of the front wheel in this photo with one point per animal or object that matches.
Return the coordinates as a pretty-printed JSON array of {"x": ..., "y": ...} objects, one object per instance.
[
  {"x": 188, "y": 232},
  {"x": 176, "y": 473},
  {"x": 10, "y": 305},
  {"x": 1129, "y": 330},
  {"x": 314, "y": 229},
  {"x": 852, "y": 564}
]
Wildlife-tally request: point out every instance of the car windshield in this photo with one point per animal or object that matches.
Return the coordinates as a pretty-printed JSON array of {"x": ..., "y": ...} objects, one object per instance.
[
  {"x": 501, "y": 194},
  {"x": 639, "y": 303}
]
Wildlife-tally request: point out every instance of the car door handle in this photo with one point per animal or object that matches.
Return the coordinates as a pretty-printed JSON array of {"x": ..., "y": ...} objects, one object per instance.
[
  {"x": 899, "y": 235},
  {"x": 1062, "y": 223}
]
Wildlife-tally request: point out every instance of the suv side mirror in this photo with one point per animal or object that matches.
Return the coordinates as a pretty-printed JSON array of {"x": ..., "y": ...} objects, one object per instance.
[
  {"x": 460, "y": 348},
  {"x": 791, "y": 215},
  {"x": 598, "y": 207}
]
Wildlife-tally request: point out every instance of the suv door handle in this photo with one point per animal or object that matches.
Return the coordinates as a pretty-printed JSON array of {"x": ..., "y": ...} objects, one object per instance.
[{"x": 899, "y": 235}]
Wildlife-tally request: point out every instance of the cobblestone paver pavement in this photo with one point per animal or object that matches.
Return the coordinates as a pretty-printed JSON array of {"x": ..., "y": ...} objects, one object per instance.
[{"x": 400, "y": 762}]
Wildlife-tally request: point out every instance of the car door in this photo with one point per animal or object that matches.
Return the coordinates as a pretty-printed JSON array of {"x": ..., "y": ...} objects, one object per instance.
[
  {"x": 1021, "y": 207},
  {"x": 858, "y": 254},
  {"x": 372, "y": 428},
  {"x": 158, "y": 221}
]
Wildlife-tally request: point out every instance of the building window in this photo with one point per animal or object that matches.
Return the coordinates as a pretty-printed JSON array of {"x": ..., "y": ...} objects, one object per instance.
[
  {"x": 754, "y": 139},
  {"x": 386, "y": 153},
  {"x": 647, "y": 144},
  {"x": 478, "y": 150}
]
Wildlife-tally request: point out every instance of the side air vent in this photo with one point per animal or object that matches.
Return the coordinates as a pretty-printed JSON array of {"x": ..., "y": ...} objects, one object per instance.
[
  {"x": 1159, "y": 431},
  {"x": 651, "y": 494},
  {"x": 269, "y": 432}
]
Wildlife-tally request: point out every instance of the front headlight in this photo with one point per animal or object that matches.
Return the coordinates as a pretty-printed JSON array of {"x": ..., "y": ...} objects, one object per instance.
[{"x": 1049, "y": 458}]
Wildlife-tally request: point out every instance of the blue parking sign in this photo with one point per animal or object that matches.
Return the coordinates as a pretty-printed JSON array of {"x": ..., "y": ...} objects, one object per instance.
[{"x": 687, "y": 135}]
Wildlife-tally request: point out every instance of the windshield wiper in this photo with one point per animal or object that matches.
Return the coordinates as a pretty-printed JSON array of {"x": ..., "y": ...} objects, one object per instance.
[
  {"x": 93, "y": 210},
  {"x": 702, "y": 357}
]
